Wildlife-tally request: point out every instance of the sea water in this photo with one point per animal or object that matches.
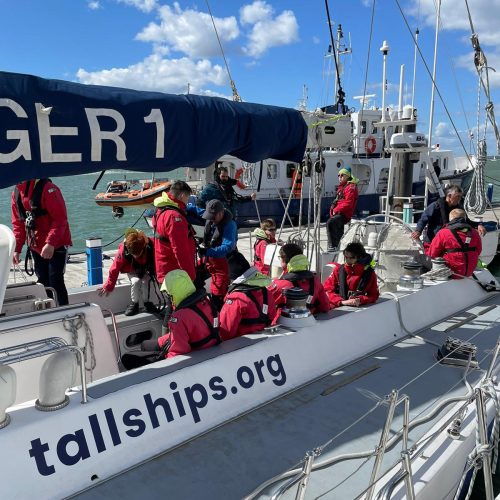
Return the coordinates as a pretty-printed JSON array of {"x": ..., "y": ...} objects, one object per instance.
[{"x": 87, "y": 219}]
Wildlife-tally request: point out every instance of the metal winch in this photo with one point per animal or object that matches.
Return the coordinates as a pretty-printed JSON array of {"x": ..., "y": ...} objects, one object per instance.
[
  {"x": 410, "y": 279},
  {"x": 296, "y": 303},
  {"x": 296, "y": 314},
  {"x": 457, "y": 352}
]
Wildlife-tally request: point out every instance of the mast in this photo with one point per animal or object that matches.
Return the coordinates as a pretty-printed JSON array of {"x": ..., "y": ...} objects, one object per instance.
[
  {"x": 385, "y": 51},
  {"x": 431, "y": 114},
  {"x": 414, "y": 68}
]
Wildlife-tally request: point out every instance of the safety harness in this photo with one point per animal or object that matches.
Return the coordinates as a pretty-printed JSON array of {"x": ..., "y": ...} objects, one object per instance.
[
  {"x": 248, "y": 290},
  {"x": 464, "y": 246},
  {"x": 342, "y": 288},
  {"x": 298, "y": 276},
  {"x": 29, "y": 217},
  {"x": 159, "y": 211},
  {"x": 257, "y": 241},
  {"x": 191, "y": 303},
  {"x": 147, "y": 267},
  {"x": 212, "y": 236}
]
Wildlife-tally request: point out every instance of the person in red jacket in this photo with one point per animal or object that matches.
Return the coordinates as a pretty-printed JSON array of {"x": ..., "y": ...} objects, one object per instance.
[
  {"x": 296, "y": 274},
  {"x": 249, "y": 306},
  {"x": 193, "y": 325},
  {"x": 353, "y": 283},
  {"x": 459, "y": 243},
  {"x": 135, "y": 256},
  {"x": 342, "y": 208},
  {"x": 39, "y": 218},
  {"x": 264, "y": 235},
  {"x": 175, "y": 245}
]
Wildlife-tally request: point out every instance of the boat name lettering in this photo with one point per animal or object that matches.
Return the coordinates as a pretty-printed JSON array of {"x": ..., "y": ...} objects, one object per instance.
[
  {"x": 112, "y": 119},
  {"x": 151, "y": 413}
]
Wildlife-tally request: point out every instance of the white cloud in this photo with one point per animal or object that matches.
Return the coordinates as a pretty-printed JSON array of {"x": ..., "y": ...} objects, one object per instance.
[
  {"x": 158, "y": 74},
  {"x": 316, "y": 40},
  {"x": 189, "y": 31},
  {"x": 268, "y": 31},
  {"x": 255, "y": 12},
  {"x": 144, "y": 5},
  {"x": 454, "y": 16},
  {"x": 93, "y": 4},
  {"x": 443, "y": 130}
]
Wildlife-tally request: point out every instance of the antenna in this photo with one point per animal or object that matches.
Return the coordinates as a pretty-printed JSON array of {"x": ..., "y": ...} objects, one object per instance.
[{"x": 303, "y": 102}]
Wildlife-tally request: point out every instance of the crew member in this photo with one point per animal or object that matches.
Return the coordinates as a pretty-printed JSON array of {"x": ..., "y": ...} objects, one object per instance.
[
  {"x": 39, "y": 218},
  {"x": 436, "y": 215},
  {"x": 219, "y": 240},
  {"x": 135, "y": 256},
  {"x": 353, "y": 283},
  {"x": 296, "y": 274},
  {"x": 249, "y": 306},
  {"x": 342, "y": 208},
  {"x": 459, "y": 243},
  {"x": 175, "y": 246},
  {"x": 193, "y": 325},
  {"x": 222, "y": 189},
  {"x": 264, "y": 235}
]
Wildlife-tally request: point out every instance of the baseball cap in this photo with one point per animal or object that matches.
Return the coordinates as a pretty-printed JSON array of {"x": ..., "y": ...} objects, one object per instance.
[{"x": 212, "y": 209}]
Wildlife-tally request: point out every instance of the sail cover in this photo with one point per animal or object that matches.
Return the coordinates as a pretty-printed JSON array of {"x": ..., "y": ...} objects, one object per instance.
[{"x": 50, "y": 128}]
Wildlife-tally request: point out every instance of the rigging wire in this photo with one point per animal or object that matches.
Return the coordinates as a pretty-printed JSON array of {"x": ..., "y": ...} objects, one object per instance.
[
  {"x": 368, "y": 59},
  {"x": 236, "y": 96},
  {"x": 340, "y": 92}
]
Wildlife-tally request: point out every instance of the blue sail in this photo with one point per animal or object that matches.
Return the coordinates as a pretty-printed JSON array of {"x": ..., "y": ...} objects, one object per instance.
[{"x": 50, "y": 128}]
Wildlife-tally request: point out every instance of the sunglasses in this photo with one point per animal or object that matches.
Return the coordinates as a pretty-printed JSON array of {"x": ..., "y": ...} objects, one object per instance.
[{"x": 272, "y": 229}]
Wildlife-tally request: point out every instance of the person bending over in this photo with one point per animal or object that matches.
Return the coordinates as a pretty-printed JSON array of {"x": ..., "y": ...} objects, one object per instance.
[{"x": 135, "y": 256}]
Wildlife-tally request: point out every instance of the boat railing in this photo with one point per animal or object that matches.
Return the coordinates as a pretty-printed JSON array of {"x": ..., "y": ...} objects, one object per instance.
[
  {"x": 408, "y": 454},
  {"x": 403, "y": 200},
  {"x": 37, "y": 348}
]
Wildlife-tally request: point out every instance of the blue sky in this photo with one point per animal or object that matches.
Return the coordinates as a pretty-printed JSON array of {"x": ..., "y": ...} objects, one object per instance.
[{"x": 273, "y": 47}]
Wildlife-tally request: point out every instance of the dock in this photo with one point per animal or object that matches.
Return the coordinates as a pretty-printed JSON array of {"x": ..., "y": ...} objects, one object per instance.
[{"x": 76, "y": 268}]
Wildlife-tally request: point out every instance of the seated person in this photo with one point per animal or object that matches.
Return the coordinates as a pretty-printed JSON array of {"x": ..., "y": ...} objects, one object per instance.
[
  {"x": 353, "y": 283},
  {"x": 249, "y": 306},
  {"x": 296, "y": 274},
  {"x": 193, "y": 324},
  {"x": 136, "y": 257},
  {"x": 459, "y": 243},
  {"x": 264, "y": 235}
]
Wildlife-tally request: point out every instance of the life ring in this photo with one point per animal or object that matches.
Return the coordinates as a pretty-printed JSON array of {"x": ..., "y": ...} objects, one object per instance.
[
  {"x": 370, "y": 145},
  {"x": 237, "y": 176}
]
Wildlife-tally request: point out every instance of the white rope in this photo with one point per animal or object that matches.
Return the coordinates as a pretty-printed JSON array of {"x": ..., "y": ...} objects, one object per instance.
[{"x": 476, "y": 201}]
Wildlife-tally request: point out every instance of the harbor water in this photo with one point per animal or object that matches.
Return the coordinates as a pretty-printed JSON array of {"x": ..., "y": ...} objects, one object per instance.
[{"x": 87, "y": 219}]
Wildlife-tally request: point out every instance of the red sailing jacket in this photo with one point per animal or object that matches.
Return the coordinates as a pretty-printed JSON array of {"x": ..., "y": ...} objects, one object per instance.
[
  {"x": 186, "y": 328},
  {"x": 319, "y": 302},
  {"x": 259, "y": 252},
  {"x": 240, "y": 315},
  {"x": 445, "y": 245},
  {"x": 124, "y": 264},
  {"x": 175, "y": 246},
  {"x": 346, "y": 199},
  {"x": 353, "y": 275},
  {"x": 51, "y": 228}
]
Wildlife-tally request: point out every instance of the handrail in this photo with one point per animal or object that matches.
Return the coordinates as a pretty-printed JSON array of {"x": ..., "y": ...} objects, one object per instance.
[
  {"x": 115, "y": 331},
  {"x": 38, "y": 348}
]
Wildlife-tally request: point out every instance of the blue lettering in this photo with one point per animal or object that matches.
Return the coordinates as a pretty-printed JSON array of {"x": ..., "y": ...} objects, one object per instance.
[
  {"x": 113, "y": 429},
  {"x": 279, "y": 371},
  {"x": 37, "y": 451},
  {"x": 151, "y": 407},
  {"x": 215, "y": 384},
  {"x": 194, "y": 404},
  {"x": 134, "y": 422},
  {"x": 178, "y": 400},
  {"x": 83, "y": 450},
  {"x": 239, "y": 375},
  {"x": 258, "y": 367},
  {"x": 96, "y": 431}
]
